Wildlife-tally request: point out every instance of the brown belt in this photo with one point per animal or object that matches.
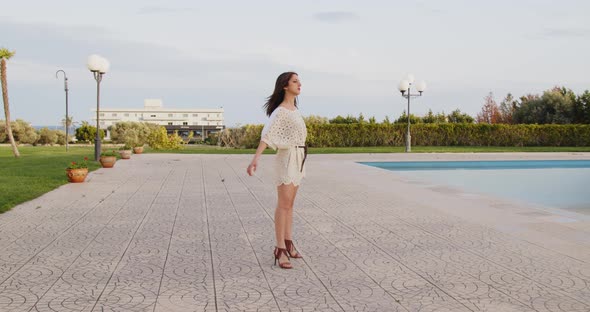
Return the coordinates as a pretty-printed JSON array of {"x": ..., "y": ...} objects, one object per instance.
[{"x": 304, "y": 147}]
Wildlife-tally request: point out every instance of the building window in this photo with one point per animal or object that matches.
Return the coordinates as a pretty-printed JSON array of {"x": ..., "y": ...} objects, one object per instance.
[
  {"x": 114, "y": 114},
  {"x": 218, "y": 115},
  {"x": 184, "y": 115},
  {"x": 101, "y": 114},
  {"x": 152, "y": 115},
  {"x": 195, "y": 115},
  {"x": 170, "y": 123},
  {"x": 135, "y": 115},
  {"x": 204, "y": 118},
  {"x": 170, "y": 115},
  {"x": 126, "y": 115}
]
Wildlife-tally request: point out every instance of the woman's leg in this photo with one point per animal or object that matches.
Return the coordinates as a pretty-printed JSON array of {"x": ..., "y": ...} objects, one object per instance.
[
  {"x": 286, "y": 194},
  {"x": 284, "y": 213},
  {"x": 289, "y": 222}
]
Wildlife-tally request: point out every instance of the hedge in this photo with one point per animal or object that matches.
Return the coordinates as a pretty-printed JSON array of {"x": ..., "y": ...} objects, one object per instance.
[{"x": 445, "y": 134}]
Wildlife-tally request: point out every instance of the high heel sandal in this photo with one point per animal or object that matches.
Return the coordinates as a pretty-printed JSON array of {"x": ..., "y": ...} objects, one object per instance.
[
  {"x": 290, "y": 247},
  {"x": 277, "y": 253}
]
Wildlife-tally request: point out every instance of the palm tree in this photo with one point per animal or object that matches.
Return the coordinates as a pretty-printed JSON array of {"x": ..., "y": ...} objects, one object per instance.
[
  {"x": 69, "y": 123},
  {"x": 5, "y": 55}
]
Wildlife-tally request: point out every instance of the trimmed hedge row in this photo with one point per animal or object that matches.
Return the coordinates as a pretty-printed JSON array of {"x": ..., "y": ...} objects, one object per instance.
[{"x": 447, "y": 134}]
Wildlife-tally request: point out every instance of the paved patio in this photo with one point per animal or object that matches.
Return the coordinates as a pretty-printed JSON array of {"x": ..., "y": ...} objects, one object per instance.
[{"x": 195, "y": 233}]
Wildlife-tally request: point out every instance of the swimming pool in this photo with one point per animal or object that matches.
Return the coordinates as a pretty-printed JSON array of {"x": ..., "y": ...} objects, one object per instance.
[{"x": 553, "y": 183}]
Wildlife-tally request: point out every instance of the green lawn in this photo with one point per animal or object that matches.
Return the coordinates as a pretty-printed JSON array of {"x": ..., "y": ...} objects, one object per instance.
[
  {"x": 42, "y": 169},
  {"x": 38, "y": 171}
]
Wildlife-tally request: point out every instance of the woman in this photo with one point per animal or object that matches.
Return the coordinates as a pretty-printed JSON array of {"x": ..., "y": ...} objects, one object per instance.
[{"x": 286, "y": 132}]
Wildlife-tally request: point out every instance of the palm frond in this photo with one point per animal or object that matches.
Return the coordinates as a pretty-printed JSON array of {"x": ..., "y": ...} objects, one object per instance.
[{"x": 5, "y": 53}]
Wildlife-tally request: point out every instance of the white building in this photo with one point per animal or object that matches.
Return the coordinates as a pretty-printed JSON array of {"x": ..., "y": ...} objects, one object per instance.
[{"x": 201, "y": 121}]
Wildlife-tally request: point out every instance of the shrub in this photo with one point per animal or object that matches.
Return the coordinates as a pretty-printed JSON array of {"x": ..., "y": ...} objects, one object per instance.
[
  {"x": 47, "y": 137},
  {"x": 87, "y": 133},
  {"x": 61, "y": 137},
  {"x": 22, "y": 131},
  {"x": 131, "y": 133},
  {"x": 159, "y": 139}
]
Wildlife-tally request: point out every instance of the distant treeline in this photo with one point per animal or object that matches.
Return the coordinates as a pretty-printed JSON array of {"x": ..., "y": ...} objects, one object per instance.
[
  {"x": 558, "y": 117},
  {"x": 555, "y": 106}
]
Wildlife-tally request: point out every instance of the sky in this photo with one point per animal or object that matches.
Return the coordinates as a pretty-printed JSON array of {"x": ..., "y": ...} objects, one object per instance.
[{"x": 350, "y": 55}]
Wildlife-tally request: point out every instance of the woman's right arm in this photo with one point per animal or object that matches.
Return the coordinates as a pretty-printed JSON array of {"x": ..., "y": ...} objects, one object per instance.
[{"x": 252, "y": 167}]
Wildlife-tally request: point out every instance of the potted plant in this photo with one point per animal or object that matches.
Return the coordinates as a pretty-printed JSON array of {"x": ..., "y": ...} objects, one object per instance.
[
  {"x": 134, "y": 138},
  {"x": 125, "y": 152},
  {"x": 77, "y": 171},
  {"x": 138, "y": 149},
  {"x": 108, "y": 159},
  {"x": 141, "y": 140}
]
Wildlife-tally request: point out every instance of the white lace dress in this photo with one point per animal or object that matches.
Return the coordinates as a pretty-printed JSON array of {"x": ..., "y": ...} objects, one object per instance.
[{"x": 285, "y": 131}]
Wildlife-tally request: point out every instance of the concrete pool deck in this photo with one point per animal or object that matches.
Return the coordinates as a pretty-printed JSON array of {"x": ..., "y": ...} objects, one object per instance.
[{"x": 172, "y": 232}]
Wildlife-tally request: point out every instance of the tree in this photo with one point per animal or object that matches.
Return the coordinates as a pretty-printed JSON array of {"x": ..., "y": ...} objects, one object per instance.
[
  {"x": 22, "y": 132},
  {"x": 130, "y": 133},
  {"x": 555, "y": 106},
  {"x": 386, "y": 120},
  {"x": 344, "y": 120},
  {"x": 87, "y": 133},
  {"x": 68, "y": 124},
  {"x": 432, "y": 118},
  {"x": 5, "y": 55},
  {"x": 457, "y": 116},
  {"x": 315, "y": 120},
  {"x": 61, "y": 137},
  {"x": 523, "y": 112},
  {"x": 583, "y": 103},
  {"x": 559, "y": 104},
  {"x": 404, "y": 119},
  {"x": 361, "y": 118},
  {"x": 508, "y": 107},
  {"x": 429, "y": 118},
  {"x": 489, "y": 112},
  {"x": 47, "y": 137}
]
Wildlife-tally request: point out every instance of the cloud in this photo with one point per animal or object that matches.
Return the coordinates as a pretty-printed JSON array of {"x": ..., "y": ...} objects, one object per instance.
[
  {"x": 336, "y": 16},
  {"x": 559, "y": 33},
  {"x": 69, "y": 46},
  {"x": 429, "y": 7},
  {"x": 162, "y": 10}
]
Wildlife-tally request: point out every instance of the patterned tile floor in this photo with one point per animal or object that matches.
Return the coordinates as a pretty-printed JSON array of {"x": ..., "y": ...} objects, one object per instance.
[{"x": 195, "y": 233}]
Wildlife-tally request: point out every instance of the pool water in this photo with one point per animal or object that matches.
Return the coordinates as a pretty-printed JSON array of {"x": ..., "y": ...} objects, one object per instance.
[{"x": 556, "y": 183}]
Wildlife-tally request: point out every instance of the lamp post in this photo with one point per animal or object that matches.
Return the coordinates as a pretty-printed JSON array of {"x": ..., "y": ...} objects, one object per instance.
[
  {"x": 405, "y": 86},
  {"x": 67, "y": 118},
  {"x": 98, "y": 65}
]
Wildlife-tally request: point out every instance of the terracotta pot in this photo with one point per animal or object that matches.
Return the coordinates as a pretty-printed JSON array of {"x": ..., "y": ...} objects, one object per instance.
[
  {"x": 77, "y": 175},
  {"x": 138, "y": 150},
  {"x": 108, "y": 161},
  {"x": 125, "y": 154}
]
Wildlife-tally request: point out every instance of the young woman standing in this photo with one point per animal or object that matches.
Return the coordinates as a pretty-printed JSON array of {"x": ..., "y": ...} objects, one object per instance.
[{"x": 286, "y": 132}]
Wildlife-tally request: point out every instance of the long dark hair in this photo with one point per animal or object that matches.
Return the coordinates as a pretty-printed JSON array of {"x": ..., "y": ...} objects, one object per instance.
[{"x": 278, "y": 96}]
